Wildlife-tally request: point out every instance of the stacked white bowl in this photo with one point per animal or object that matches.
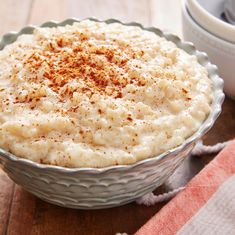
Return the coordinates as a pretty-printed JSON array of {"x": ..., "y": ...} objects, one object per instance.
[{"x": 203, "y": 25}]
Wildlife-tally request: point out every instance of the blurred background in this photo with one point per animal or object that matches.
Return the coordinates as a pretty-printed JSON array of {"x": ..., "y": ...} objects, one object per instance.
[{"x": 164, "y": 14}]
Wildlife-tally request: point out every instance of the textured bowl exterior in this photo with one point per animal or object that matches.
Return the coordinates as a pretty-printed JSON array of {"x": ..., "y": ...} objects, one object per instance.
[
  {"x": 87, "y": 190},
  {"x": 95, "y": 188}
]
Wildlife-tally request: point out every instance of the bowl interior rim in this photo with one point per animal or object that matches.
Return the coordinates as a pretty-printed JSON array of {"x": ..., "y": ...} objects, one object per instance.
[
  {"x": 213, "y": 18},
  {"x": 209, "y": 34}
]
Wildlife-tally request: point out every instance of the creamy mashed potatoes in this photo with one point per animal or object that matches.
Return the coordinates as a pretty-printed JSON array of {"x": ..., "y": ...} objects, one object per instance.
[{"x": 95, "y": 95}]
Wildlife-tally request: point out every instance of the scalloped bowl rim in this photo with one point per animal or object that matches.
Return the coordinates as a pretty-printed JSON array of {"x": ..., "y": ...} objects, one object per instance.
[{"x": 205, "y": 126}]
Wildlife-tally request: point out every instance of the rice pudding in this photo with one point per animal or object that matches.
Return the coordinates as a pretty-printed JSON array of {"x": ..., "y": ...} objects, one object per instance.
[{"x": 94, "y": 95}]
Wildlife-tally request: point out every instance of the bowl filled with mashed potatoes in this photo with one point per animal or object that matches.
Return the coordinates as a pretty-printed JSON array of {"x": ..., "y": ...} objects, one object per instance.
[{"x": 95, "y": 114}]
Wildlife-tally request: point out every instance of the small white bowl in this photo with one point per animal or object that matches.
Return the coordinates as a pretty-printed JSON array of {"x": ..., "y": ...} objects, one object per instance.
[
  {"x": 220, "y": 52},
  {"x": 204, "y": 13}
]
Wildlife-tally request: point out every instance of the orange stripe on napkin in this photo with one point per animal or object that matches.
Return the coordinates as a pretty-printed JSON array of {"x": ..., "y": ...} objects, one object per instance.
[{"x": 198, "y": 191}]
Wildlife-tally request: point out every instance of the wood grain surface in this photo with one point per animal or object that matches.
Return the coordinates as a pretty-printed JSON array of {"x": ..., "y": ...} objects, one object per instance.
[{"x": 23, "y": 214}]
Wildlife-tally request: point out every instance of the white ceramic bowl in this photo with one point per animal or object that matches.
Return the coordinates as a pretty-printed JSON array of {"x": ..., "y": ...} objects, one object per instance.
[
  {"x": 206, "y": 14},
  {"x": 220, "y": 52},
  {"x": 93, "y": 188}
]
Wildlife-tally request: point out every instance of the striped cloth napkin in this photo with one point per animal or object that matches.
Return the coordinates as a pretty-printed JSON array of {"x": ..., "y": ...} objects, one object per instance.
[{"x": 205, "y": 206}]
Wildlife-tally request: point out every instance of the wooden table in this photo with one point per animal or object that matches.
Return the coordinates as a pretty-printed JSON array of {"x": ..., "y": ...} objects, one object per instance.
[{"x": 23, "y": 214}]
